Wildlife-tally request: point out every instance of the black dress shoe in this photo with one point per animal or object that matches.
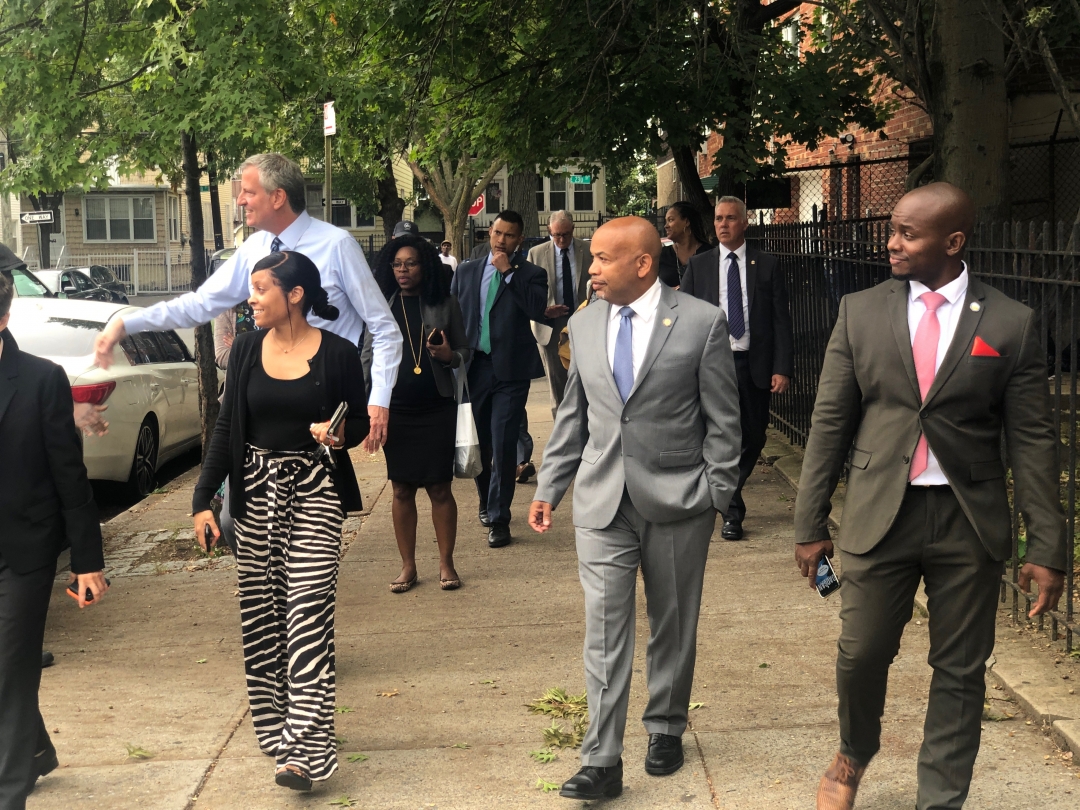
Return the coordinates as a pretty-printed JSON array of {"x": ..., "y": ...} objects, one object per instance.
[
  {"x": 499, "y": 535},
  {"x": 485, "y": 518},
  {"x": 525, "y": 471},
  {"x": 47, "y": 659},
  {"x": 665, "y": 754},
  {"x": 594, "y": 783},
  {"x": 731, "y": 530}
]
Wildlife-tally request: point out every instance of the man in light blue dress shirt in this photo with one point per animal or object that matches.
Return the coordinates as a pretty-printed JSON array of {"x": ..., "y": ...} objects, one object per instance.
[{"x": 273, "y": 197}]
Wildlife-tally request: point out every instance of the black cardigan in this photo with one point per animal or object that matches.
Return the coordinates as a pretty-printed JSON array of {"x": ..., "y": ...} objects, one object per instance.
[{"x": 337, "y": 372}]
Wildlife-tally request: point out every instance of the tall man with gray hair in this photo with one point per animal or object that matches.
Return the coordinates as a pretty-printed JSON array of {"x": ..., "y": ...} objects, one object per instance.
[
  {"x": 273, "y": 197},
  {"x": 750, "y": 287}
]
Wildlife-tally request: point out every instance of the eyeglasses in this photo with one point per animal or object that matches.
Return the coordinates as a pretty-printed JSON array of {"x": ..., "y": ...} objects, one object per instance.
[
  {"x": 411, "y": 264},
  {"x": 562, "y": 234}
]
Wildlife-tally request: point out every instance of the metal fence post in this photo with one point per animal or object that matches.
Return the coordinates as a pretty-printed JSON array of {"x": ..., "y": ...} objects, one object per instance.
[
  {"x": 168, "y": 276},
  {"x": 135, "y": 269}
]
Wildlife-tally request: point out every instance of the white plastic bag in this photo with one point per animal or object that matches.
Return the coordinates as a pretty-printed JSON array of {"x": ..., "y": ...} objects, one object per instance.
[{"x": 467, "y": 462}]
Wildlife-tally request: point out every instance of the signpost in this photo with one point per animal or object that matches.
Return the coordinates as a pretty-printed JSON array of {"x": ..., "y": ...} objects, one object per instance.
[
  {"x": 477, "y": 206},
  {"x": 329, "y": 123},
  {"x": 37, "y": 218}
]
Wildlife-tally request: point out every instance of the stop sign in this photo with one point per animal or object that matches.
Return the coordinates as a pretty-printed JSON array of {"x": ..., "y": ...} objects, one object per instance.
[{"x": 477, "y": 206}]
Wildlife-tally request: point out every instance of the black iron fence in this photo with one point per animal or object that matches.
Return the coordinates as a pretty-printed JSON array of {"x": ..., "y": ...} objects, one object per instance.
[{"x": 1037, "y": 265}]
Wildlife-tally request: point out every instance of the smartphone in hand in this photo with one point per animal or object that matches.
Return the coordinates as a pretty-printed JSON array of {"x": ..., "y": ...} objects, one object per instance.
[
  {"x": 73, "y": 591},
  {"x": 826, "y": 581},
  {"x": 435, "y": 338},
  {"x": 208, "y": 536}
]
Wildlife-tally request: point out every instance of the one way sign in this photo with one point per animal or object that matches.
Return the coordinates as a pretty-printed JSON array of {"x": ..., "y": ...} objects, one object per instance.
[{"x": 37, "y": 217}]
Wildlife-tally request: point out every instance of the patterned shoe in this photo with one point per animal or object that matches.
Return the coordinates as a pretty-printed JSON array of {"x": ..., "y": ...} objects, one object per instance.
[{"x": 840, "y": 784}]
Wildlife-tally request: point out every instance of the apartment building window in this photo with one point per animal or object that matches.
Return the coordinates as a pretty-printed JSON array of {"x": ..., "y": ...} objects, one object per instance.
[
  {"x": 493, "y": 204},
  {"x": 583, "y": 197},
  {"x": 341, "y": 213},
  {"x": 792, "y": 33},
  {"x": 174, "y": 219},
  {"x": 539, "y": 193},
  {"x": 116, "y": 218},
  {"x": 365, "y": 222},
  {"x": 557, "y": 192}
]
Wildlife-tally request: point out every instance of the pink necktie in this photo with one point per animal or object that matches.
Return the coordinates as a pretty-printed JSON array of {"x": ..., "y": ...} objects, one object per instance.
[{"x": 925, "y": 348}]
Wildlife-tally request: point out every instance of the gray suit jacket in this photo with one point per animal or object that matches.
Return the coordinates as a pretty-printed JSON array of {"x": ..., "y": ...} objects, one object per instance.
[
  {"x": 674, "y": 445},
  {"x": 543, "y": 255}
]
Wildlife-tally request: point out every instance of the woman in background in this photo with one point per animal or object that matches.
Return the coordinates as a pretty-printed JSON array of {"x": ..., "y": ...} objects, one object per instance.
[
  {"x": 423, "y": 410},
  {"x": 272, "y": 439},
  {"x": 686, "y": 230}
]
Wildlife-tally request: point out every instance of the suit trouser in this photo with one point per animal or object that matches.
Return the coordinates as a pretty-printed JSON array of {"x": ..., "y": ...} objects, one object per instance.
[
  {"x": 553, "y": 367},
  {"x": 24, "y": 606},
  {"x": 498, "y": 408},
  {"x": 933, "y": 540},
  {"x": 672, "y": 561},
  {"x": 754, "y": 417},
  {"x": 525, "y": 441}
]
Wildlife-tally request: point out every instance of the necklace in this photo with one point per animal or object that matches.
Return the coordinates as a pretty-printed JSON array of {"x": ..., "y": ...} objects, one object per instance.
[
  {"x": 301, "y": 340},
  {"x": 408, "y": 332}
]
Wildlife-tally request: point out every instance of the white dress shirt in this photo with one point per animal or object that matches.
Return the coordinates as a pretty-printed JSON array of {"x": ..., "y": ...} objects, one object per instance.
[
  {"x": 948, "y": 315},
  {"x": 558, "y": 274},
  {"x": 743, "y": 343},
  {"x": 346, "y": 278},
  {"x": 642, "y": 326}
]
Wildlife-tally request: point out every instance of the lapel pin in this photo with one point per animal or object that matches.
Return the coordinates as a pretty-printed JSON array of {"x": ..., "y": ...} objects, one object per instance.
[
  {"x": 666, "y": 322},
  {"x": 975, "y": 307},
  {"x": 753, "y": 261}
]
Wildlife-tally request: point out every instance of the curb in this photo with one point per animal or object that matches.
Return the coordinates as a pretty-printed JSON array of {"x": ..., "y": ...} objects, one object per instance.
[{"x": 1040, "y": 695}]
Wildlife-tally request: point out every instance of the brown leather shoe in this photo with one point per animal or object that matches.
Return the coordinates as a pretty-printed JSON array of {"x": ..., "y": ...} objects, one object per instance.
[{"x": 840, "y": 784}]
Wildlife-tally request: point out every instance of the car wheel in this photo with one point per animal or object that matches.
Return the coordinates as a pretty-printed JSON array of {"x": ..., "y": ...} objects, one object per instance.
[{"x": 143, "y": 478}]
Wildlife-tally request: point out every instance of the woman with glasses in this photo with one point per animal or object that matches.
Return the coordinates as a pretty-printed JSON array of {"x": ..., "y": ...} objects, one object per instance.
[
  {"x": 423, "y": 410},
  {"x": 289, "y": 495}
]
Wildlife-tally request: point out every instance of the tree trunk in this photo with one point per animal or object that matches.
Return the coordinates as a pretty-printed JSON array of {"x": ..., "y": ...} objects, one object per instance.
[
  {"x": 204, "y": 334},
  {"x": 45, "y": 202},
  {"x": 215, "y": 203},
  {"x": 391, "y": 206},
  {"x": 686, "y": 163},
  {"x": 968, "y": 105},
  {"x": 521, "y": 197},
  {"x": 452, "y": 186}
]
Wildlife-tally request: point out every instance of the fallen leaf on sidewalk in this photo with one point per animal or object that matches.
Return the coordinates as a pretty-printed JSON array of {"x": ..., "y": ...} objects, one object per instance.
[
  {"x": 989, "y": 714},
  {"x": 463, "y": 746},
  {"x": 135, "y": 752},
  {"x": 696, "y": 706},
  {"x": 358, "y": 757},
  {"x": 343, "y": 710},
  {"x": 339, "y": 742},
  {"x": 484, "y": 683},
  {"x": 544, "y": 785},
  {"x": 391, "y": 693},
  {"x": 342, "y": 801},
  {"x": 544, "y": 755},
  {"x": 201, "y": 661}
]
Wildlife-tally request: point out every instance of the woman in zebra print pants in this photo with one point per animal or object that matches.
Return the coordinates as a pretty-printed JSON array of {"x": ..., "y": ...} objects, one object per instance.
[{"x": 284, "y": 382}]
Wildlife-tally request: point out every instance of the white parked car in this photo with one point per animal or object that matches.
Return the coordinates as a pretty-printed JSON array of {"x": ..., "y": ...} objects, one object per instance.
[{"x": 152, "y": 388}]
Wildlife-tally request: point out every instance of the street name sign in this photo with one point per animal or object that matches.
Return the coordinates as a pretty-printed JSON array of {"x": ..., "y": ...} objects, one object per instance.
[
  {"x": 581, "y": 179},
  {"x": 37, "y": 218}
]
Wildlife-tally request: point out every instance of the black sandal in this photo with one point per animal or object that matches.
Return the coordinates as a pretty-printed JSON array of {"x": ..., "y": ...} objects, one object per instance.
[{"x": 292, "y": 777}]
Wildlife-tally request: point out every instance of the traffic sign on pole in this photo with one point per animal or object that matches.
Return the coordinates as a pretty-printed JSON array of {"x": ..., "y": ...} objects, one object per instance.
[
  {"x": 37, "y": 218},
  {"x": 477, "y": 206},
  {"x": 329, "y": 119}
]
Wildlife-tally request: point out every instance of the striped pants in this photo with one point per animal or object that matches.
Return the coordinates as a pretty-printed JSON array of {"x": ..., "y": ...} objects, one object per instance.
[{"x": 287, "y": 551}]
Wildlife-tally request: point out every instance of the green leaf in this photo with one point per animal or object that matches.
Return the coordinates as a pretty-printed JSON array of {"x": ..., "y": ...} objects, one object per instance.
[
  {"x": 201, "y": 661},
  {"x": 545, "y": 786},
  {"x": 343, "y": 710},
  {"x": 763, "y": 665},
  {"x": 358, "y": 757},
  {"x": 696, "y": 706},
  {"x": 544, "y": 755},
  {"x": 463, "y": 746},
  {"x": 135, "y": 752},
  {"x": 342, "y": 801}
]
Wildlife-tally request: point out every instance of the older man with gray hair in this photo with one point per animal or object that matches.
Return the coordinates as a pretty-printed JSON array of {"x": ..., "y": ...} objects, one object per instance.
[
  {"x": 274, "y": 201},
  {"x": 566, "y": 260}
]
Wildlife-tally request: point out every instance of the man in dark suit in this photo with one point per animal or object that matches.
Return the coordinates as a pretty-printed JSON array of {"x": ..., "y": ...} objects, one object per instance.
[
  {"x": 499, "y": 295},
  {"x": 45, "y": 504},
  {"x": 922, "y": 376},
  {"x": 749, "y": 286}
]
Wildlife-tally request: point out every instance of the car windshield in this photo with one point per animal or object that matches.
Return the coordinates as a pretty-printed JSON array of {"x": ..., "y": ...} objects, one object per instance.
[
  {"x": 50, "y": 279},
  {"x": 56, "y": 337},
  {"x": 26, "y": 286},
  {"x": 102, "y": 275}
]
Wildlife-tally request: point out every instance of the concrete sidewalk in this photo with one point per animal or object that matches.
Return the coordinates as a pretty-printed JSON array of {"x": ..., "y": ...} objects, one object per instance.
[{"x": 432, "y": 684}]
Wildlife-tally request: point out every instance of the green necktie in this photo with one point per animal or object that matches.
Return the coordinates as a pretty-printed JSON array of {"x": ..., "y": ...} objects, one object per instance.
[{"x": 485, "y": 324}]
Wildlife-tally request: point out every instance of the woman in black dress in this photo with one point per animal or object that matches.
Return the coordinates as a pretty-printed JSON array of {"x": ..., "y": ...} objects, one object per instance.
[
  {"x": 684, "y": 227},
  {"x": 423, "y": 411},
  {"x": 288, "y": 501}
]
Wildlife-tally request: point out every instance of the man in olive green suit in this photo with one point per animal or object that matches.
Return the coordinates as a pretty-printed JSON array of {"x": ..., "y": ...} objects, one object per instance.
[{"x": 921, "y": 376}]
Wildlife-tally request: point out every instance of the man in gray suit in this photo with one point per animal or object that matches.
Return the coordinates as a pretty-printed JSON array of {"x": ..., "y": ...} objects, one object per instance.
[{"x": 650, "y": 427}]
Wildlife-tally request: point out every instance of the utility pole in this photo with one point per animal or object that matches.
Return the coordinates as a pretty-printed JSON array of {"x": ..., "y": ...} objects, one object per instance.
[{"x": 329, "y": 130}]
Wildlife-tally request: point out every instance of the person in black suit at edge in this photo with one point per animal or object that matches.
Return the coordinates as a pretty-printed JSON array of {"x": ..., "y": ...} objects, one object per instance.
[
  {"x": 499, "y": 294},
  {"x": 749, "y": 286},
  {"x": 46, "y": 504}
]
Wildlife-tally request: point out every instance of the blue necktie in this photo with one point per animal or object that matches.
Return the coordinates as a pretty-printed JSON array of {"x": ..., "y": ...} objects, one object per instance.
[
  {"x": 735, "y": 320},
  {"x": 623, "y": 366},
  {"x": 275, "y": 246}
]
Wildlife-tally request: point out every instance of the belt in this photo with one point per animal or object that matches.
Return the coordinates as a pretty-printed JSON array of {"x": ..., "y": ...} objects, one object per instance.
[{"x": 928, "y": 487}]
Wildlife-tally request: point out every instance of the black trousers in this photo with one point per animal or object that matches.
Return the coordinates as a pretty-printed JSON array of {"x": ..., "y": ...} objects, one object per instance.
[
  {"x": 498, "y": 408},
  {"x": 24, "y": 606},
  {"x": 754, "y": 416},
  {"x": 931, "y": 540}
]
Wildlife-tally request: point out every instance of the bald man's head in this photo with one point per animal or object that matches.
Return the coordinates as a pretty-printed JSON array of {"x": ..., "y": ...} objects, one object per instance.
[
  {"x": 929, "y": 228},
  {"x": 626, "y": 255}
]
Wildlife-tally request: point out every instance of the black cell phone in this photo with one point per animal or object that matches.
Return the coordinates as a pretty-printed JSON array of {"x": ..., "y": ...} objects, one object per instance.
[
  {"x": 435, "y": 338},
  {"x": 335, "y": 420},
  {"x": 73, "y": 590},
  {"x": 826, "y": 581},
  {"x": 208, "y": 536}
]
